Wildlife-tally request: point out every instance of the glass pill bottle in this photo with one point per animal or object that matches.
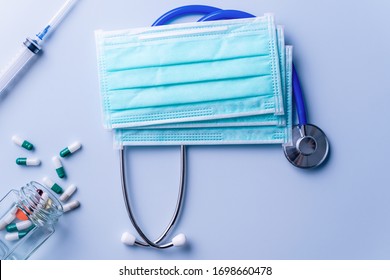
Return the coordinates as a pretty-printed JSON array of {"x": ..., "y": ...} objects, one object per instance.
[{"x": 27, "y": 219}]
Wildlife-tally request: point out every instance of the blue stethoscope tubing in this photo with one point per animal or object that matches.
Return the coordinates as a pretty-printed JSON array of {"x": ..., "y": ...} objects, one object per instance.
[{"x": 312, "y": 139}]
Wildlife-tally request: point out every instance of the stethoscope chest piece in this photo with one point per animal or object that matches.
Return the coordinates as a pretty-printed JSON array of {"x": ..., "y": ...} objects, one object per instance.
[{"x": 309, "y": 147}]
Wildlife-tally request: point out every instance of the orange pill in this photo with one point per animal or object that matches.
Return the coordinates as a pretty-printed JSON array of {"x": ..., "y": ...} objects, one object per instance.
[{"x": 20, "y": 215}]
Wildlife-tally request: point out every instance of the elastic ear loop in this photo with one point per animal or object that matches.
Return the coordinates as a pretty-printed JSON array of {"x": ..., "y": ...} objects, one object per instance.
[{"x": 164, "y": 19}]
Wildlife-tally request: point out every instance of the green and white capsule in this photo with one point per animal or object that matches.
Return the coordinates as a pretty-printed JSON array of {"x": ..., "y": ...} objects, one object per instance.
[
  {"x": 19, "y": 226},
  {"x": 28, "y": 161},
  {"x": 22, "y": 143},
  {"x": 70, "y": 149},
  {"x": 58, "y": 166},
  {"x": 68, "y": 192},
  {"x": 18, "y": 235},
  {"x": 53, "y": 186}
]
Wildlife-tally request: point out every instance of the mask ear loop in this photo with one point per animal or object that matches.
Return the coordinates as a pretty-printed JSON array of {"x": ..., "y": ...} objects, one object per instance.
[{"x": 179, "y": 239}]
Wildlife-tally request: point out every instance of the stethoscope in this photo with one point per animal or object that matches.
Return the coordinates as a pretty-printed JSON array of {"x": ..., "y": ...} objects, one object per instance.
[{"x": 309, "y": 146}]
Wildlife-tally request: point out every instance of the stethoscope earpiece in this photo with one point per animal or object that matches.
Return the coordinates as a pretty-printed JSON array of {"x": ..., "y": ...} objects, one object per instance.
[{"x": 309, "y": 147}]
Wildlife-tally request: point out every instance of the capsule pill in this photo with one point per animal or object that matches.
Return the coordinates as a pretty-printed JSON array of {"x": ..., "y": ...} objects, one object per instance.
[
  {"x": 58, "y": 166},
  {"x": 19, "y": 226},
  {"x": 53, "y": 186},
  {"x": 68, "y": 192},
  {"x": 28, "y": 161},
  {"x": 70, "y": 205},
  {"x": 72, "y": 148},
  {"x": 22, "y": 143}
]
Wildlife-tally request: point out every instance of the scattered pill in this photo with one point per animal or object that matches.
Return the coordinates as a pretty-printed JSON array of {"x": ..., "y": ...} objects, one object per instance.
[
  {"x": 53, "y": 186},
  {"x": 70, "y": 149},
  {"x": 68, "y": 192},
  {"x": 22, "y": 143},
  {"x": 19, "y": 226},
  {"x": 128, "y": 239},
  {"x": 70, "y": 205},
  {"x": 18, "y": 235},
  {"x": 58, "y": 166},
  {"x": 21, "y": 215},
  {"x": 8, "y": 218},
  {"x": 28, "y": 161}
]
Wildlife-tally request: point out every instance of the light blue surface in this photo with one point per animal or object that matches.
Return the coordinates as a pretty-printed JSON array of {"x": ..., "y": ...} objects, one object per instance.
[{"x": 242, "y": 202}]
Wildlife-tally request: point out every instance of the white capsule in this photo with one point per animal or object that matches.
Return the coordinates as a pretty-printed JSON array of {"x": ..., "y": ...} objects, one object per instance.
[
  {"x": 70, "y": 205},
  {"x": 8, "y": 218},
  {"x": 128, "y": 239},
  {"x": 68, "y": 192}
]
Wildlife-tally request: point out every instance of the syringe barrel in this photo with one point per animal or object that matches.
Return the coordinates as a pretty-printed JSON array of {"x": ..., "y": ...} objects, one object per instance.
[{"x": 27, "y": 51}]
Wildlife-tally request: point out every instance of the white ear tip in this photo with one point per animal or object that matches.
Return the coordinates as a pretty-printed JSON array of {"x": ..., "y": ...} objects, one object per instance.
[
  {"x": 127, "y": 238},
  {"x": 179, "y": 240}
]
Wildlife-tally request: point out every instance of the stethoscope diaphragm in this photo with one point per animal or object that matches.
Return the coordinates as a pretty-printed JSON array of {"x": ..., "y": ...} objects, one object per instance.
[{"x": 309, "y": 147}]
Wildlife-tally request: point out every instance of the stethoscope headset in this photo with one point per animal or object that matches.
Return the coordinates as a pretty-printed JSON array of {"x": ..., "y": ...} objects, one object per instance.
[{"x": 309, "y": 146}]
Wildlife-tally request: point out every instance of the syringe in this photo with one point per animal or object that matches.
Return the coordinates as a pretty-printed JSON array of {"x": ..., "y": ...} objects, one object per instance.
[{"x": 31, "y": 47}]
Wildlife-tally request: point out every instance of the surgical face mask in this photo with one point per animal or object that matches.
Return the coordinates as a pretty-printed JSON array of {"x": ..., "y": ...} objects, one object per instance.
[
  {"x": 214, "y": 135},
  {"x": 189, "y": 72},
  {"x": 256, "y": 120}
]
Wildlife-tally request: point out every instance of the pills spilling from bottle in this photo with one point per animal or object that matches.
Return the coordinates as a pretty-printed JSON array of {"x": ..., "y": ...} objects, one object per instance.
[
  {"x": 28, "y": 161},
  {"x": 22, "y": 143},
  {"x": 24, "y": 215},
  {"x": 72, "y": 148},
  {"x": 58, "y": 166},
  {"x": 51, "y": 185}
]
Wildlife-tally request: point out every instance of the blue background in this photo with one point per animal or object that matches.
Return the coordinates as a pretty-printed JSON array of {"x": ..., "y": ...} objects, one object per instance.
[{"x": 242, "y": 202}]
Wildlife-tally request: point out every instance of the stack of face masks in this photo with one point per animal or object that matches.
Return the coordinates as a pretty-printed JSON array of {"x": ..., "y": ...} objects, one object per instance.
[{"x": 218, "y": 82}]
